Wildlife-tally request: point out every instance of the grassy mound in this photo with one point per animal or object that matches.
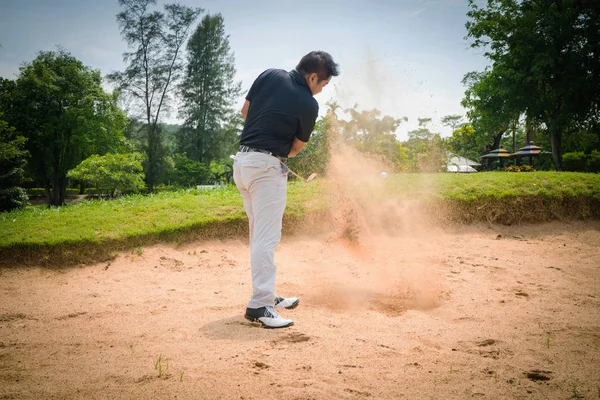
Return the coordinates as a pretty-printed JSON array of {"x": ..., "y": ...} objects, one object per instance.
[{"x": 97, "y": 230}]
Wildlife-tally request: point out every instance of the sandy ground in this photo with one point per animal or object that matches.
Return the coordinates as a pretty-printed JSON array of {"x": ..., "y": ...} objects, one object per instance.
[
  {"x": 394, "y": 303},
  {"x": 454, "y": 313}
]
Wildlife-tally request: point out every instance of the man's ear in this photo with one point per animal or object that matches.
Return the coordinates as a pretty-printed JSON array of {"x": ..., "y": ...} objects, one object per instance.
[{"x": 313, "y": 78}]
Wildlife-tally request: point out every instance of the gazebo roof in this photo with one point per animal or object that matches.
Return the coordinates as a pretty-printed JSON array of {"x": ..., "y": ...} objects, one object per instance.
[
  {"x": 498, "y": 153},
  {"x": 529, "y": 150}
]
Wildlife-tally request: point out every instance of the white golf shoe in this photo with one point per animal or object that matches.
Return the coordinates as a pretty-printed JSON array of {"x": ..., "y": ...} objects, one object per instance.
[
  {"x": 286, "y": 302},
  {"x": 267, "y": 317}
]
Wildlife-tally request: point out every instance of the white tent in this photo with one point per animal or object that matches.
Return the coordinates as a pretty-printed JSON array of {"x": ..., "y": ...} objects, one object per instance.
[
  {"x": 460, "y": 168},
  {"x": 461, "y": 164}
]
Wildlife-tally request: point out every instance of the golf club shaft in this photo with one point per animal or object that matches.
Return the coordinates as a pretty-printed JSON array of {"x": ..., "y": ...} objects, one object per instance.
[{"x": 295, "y": 174}]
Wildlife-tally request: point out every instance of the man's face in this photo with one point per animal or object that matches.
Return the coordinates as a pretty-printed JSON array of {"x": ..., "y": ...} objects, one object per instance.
[{"x": 315, "y": 85}]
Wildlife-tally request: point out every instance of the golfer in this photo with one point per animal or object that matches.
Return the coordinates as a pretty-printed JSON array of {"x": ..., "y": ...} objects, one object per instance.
[{"x": 279, "y": 113}]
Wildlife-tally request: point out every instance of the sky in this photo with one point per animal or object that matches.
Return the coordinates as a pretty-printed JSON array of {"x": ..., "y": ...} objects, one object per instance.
[{"x": 406, "y": 58}]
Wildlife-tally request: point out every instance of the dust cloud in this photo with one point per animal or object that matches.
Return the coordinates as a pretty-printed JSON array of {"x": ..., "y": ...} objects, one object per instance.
[{"x": 378, "y": 246}]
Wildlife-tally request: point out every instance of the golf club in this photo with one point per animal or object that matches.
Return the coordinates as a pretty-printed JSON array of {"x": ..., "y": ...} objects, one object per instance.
[{"x": 310, "y": 177}]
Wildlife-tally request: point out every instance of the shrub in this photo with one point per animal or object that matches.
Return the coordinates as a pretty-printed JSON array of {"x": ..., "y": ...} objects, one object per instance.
[
  {"x": 594, "y": 161},
  {"x": 187, "y": 172},
  {"x": 519, "y": 168},
  {"x": 12, "y": 167},
  {"x": 576, "y": 161},
  {"x": 111, "y": 173},
  {"x": 41, "y": 192},
  {"x": 13, "y": 198}
]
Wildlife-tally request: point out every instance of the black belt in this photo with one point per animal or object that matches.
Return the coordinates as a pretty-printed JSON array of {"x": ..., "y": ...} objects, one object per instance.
[{"x": 246, "y": 149}]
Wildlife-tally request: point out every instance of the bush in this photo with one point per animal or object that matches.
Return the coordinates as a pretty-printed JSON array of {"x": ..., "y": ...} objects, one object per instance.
[
  {"x": 187, "y": 172},
  {"x": 576, "y": 161},
  {"x": 111, "y": 173},
  {"x": 519, "y": 168},
  {"x": 13, "y": 198},
  {"x": 12, "y": 167},
  {"x": 41, "y": 192},
  {"x": 594, "y": 161}
]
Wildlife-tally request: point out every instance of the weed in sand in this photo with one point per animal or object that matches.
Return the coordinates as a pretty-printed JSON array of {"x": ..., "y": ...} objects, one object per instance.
[
  {"x": 139, "y": 251},
  {"x": 181, "y": 377},
  {"x": 576, "y": 394},
  {"x": 158, "y": 365},
  {"x": 548, "y": 341}
]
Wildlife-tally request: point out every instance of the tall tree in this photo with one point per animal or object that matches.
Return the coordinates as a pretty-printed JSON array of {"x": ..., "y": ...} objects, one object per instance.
[
  {"x": 548, "y": 54},
  {"x": 452, "y": 121},
  {"x": 13, "y": 158},
  {"x": 490, "y": 108},
  {"x": 60, "y": 107},
  {"x": 370, "y": 132},
  {"x": 208, "y": 91},
  {"x": 426, "y": 149},
  {"x": 154, "y": 65}
]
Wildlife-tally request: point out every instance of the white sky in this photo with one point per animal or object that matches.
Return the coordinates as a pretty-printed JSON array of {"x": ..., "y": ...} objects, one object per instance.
[{"x": 404, "y": 57}]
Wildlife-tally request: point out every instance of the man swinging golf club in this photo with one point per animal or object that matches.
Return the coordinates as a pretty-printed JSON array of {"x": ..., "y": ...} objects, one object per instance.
[{"x": 279, "y": 113}]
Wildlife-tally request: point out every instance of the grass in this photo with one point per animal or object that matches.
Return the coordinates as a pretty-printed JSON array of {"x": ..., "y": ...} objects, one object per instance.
[
  {"x": 158, "y": 365},
  {"x": 96, "y": 230}
]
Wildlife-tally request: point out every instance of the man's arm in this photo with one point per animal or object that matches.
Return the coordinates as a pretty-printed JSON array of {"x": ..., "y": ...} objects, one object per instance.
[
  {"x": 297, "y": 146},
  {"x": 245, "y": 109}
]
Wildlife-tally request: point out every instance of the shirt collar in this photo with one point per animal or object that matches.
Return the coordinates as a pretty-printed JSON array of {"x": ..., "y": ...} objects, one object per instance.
[{"x": 299, "y": 79}]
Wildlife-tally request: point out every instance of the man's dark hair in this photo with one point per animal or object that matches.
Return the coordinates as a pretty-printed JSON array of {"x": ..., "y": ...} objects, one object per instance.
[{"x": 320, "y": 63}]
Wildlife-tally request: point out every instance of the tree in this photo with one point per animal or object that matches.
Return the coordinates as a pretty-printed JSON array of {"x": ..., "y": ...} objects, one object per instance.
[
  {"x": 547, "y": 53},
  {"x": 426, "y": 149},
  {"x": 208, "y": 91},
  {"x": 60, "y": 106},
  {"x": 111, "y": 173},
  {"x": 463, "y": 142},
  {"x": 452, "y": 121},
  {"x": 490, "y": 108},
  {"x": 315, "y": 156},
  {"x": 154, "y": 66},
  {"x": 370, "y": 132},
  {"x": 187, "y": 172},
  {"x": 12, "y": 163}
]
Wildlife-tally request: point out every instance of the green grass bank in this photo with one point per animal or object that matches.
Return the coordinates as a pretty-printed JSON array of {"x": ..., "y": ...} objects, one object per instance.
[{"x": 97, "y": 230}]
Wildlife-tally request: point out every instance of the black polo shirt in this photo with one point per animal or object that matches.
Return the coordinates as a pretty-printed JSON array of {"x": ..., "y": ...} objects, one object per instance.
[{"x": 281, "y": 107}]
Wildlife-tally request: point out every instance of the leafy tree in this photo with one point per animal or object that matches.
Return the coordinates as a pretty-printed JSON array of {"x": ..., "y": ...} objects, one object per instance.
[
  {"x": 546, "y": 59},
  {"x": 208, "y": 91},
  {"x": 111, "y": 173},
  {"x": 452, "y": 121},
  {"x": 221, "y": 171},
  {"x": 12, "y": 163},
  {"x": 426, "y": 149},
  {"x": 315, "y": 156},
  {"x": 187, "y": 172},
  {"x": 369, "y": 132},
  {"x": 60, "y": 106},
  {"x": 154, "y": 65},
  {"x": 463, "y": 142},
  {"x": 489, "y": 108}
]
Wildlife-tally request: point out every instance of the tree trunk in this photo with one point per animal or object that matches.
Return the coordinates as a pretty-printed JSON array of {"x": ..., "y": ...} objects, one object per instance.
[
  {"x": 556, "y": 141},
  {"x": 47, "y": 191},
  {"x": 497, "y": 138},
  {"x": 528, "y": 131},
  {"x": 150, "y": 166}
]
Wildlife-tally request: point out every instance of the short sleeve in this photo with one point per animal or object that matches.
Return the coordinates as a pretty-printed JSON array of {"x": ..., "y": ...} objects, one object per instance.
[
  {"x": 257, "y": 84},
  {"x": 307, "y": 123}
]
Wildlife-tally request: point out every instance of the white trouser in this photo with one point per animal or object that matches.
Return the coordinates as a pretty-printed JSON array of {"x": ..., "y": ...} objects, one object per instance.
[{"x": 262, "y": 182}]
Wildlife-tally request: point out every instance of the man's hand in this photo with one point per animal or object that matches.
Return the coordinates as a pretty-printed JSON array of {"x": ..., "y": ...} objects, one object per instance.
[{"x": 297, "y": 147}]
